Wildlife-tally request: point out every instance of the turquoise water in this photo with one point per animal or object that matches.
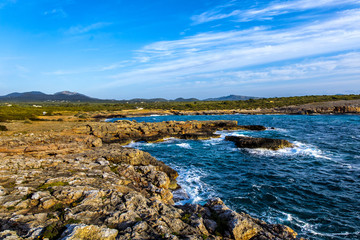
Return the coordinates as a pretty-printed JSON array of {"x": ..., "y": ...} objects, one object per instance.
[{"x": 314, "y": 188}]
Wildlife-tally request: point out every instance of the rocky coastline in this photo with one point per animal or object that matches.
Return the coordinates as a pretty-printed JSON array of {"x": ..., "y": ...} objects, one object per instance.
[
  {"x": 80, "y": 182},
  {"x": 321, "y": 108}
]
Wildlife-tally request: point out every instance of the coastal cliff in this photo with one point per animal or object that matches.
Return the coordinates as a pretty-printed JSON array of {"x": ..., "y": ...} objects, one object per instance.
[{"x": 81, "y": 183}]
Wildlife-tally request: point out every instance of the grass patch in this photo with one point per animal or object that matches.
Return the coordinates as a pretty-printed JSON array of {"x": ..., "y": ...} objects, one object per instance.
[
  {"x": 186, "y": 217},
  {"x": 3, "y": 128},
  {"x": 138, "y": 219},
  {"x": 53, "y": 231},
  {"x": 28, "y": 121},
  {"x": 54, "y": 184},
  {"x": 114, "y": 169},
  {"x": 204, "y": 236}
]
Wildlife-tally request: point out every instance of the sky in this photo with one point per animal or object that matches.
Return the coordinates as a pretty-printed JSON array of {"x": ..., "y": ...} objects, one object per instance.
[{"x": 123, "y": 49}]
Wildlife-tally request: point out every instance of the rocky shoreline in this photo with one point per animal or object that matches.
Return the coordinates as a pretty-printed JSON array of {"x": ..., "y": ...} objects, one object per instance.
[
  {"x": 321, "y": 108},
  {"x": 81, "y": 183}
]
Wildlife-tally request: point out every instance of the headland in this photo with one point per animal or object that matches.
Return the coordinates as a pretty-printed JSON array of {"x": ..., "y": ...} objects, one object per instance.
[{"x": 76, "y": 180}]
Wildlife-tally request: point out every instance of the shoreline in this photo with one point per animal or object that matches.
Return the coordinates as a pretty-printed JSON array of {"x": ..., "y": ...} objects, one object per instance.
[
  {"x": 350, "y": 107},
  {"x": 65, "y": 183}
]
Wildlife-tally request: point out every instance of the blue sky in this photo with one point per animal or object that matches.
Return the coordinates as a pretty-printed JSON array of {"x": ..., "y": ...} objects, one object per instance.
[{"x": 121, "y": 49}]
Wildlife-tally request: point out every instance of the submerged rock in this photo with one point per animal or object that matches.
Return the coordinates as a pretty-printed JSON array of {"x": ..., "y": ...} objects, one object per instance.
[{"x": 251, "y": 142}]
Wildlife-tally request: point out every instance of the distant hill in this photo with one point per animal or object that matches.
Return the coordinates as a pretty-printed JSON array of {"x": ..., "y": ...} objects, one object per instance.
[
  {"x": 36, "y": 96},
  {"x": 231, "y": 98},
  {"x": 66, "y": 96},
  {"x": 151, "y": 100}
]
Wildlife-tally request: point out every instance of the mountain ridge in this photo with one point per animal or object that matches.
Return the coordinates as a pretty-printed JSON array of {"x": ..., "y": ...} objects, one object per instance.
[{"x": 37, "y": 96}]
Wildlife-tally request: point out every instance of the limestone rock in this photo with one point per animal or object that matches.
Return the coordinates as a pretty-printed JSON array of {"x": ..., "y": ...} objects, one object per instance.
[
  {"x": 251, "y": 142},
  {"x": 82, "y": 231}
]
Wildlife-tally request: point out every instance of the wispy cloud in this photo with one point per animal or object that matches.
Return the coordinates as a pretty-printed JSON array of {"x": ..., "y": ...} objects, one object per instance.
[
  {"x": 85, "y": 29},
  {"x": 3, "y": 3},
  {"x": 57, "y": 12},
  {"x": 273, "y": 9},
  {"x": 225, "y": 56},
  {"x": 110, "y": 67}
]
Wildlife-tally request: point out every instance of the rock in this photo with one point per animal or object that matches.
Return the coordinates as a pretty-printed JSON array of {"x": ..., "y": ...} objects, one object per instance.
[
  {"x": 124, "y": 131},
  {"x": 241, "y": 226},
  {"x": 97, "y": 142},
  {"x": 2, "y": 191},
  {"x": 48, "y": 203},
  {"x": 82, "y": 231},
  {"x": 251, "y": 142},
  {"x": 252, "y": 127},
  {"x": 211, "y": 225},
  {"x": 62, "y": 186},
  {"x": 9, "y": 235}
]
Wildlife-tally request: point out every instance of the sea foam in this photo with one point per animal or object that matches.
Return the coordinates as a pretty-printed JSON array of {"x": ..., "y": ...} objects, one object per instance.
[{"x": 299, "y": 149}]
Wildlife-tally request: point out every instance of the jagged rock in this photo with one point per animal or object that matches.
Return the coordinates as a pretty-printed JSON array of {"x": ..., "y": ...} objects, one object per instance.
[
  {"x": 62, "y": 186},
  {"x": 9, "y": 235},
  {"x": 242, "y": 226},
  {"x": 124, "y": 131},
  {"x": 82, "y": 231},
  {"x": 251, "y": 142}
]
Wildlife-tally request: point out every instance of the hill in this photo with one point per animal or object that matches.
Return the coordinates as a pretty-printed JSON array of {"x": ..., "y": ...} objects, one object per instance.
[
  {"x": 36, "y": 96},
  {"x": 231, "y": 98}
]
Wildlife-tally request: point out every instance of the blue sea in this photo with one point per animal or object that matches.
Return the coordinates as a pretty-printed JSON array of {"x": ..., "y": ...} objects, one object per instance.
[{"x": 314, "y": 187}]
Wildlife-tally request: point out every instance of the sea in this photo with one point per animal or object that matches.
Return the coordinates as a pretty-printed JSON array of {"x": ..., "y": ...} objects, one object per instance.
[{"x": 314, "y": 188}]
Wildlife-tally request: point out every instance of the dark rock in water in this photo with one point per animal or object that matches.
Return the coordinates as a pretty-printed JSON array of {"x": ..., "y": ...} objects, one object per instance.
[
  {"x": 250, "y": 142},
  {"x": 199, "y": 136},
  {"x": 252, "y": 127}
]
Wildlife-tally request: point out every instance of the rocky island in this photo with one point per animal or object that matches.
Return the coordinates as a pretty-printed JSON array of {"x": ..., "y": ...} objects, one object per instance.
[{"x": 78, "y": 181}]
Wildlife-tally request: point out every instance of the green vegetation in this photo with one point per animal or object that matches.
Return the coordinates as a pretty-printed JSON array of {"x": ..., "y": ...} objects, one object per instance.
[
  {"x": 23, "y": 111},
  {"x": 3, "y": 128},
  {"x": 54, "y": 184},
  {"x": 186, "y": 217}
]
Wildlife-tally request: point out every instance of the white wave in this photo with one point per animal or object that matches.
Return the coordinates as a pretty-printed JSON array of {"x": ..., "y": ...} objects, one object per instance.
[
  {"x": 138, "y": 144},
  {"x": 156, "y": 115},
  {"x": 311, "y": 228},
  {"x": 169, "y": 140},
  {"x": 184, "y": 145},
  {"x": 298, "y": 149},
  {"x": 277, "y": 129},
  {"x": 196, "y": 189},
  {"x": 213, "y": 141}
]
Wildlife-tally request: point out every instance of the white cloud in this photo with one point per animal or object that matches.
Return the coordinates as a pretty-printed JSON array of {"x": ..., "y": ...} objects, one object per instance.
[
  {"x": 58, "y": 12},
  {"x": 226, "y": 53},
  {"x": 85, "y": 29},
  {"x": 273, "y": 9}
]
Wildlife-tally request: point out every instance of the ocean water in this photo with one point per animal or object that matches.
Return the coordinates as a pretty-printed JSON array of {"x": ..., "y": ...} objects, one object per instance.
[{"x": 314, "y": 188}]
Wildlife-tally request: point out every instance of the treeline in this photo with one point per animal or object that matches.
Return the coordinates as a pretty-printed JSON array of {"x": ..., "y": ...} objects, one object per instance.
[{"x": 22, "y": 111}]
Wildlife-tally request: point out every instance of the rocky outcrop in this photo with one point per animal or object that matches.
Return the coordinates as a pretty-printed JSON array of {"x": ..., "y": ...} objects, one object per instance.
[
  {"x": 125, "y": 131},
  {"x": 252, "y": 142},
  {"x": 73, "y": 186}
]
